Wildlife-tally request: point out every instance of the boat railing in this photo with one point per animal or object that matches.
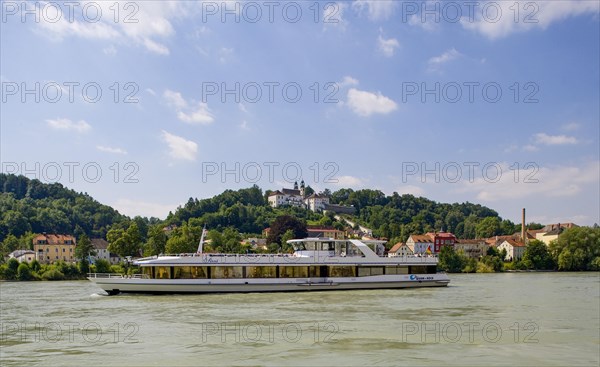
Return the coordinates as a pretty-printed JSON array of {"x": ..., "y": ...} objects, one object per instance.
[{"x": 117, "y": 275}]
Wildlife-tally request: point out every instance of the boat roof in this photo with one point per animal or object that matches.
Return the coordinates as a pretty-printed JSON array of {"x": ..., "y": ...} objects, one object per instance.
[{"x": 326, "y": 239}]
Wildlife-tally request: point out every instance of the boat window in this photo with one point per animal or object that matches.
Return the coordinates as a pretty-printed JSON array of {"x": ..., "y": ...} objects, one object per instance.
[
  {"x": 147, "y": 270},
  {"x": 293, "y": 272},
  {"x": 162, "y": 272},
  {"x": 261, "y": 272},
  {"x": 396, "y": 270},
  {"x": 190, "y": 272},
  {"x": 226, "y": 272},
  {"x": 365, "y": 271},
  {"x": 418, "y": 269},
  {"x": 342, "y": 271}
]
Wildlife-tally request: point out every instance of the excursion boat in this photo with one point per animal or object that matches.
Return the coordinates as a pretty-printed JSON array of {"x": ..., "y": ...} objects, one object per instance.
[{"x": 317, "y": 264}]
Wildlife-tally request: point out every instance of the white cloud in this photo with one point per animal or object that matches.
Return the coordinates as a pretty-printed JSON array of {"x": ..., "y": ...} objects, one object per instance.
[
  {"x": 244, "y": 125},
  {"x": 145, "y": 23},
  {"x": 224, "y": 54},
  {"x": 533, "y": 181},
  {"x": 539, "y": 14},
  {"x": 366, "y": 103},
  {"x": 180, "y": 148},
  {"x": 174, "y": 99},
  {"x": 543, "y": 138},
  {"x": 133, "y": 208},
  {"x": 571, "y": 126},
  {"x": 106, "y": 149},
  {"x": 65, "y": 124},
  {"x": 348, "y": 181},
  {"x": 437, "y": 61},
  {"x": 347, "y": 81},
  {"x": 530, "y": 148},
  {"x": 411, "y": 189},
  {"x": 387, "y": 46},
  {"x": 376, "y": 9},
  {"x": 199, "y": 114},
  {"x": 333, "y": 15},
  {"x": 110, "y": 50}
]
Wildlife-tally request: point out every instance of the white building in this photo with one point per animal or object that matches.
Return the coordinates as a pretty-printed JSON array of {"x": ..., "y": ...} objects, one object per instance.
[
  {"x": 316, "y": 202},
  {"x": 514, "y": 249},
  {"x": 400, "y": 249},
  {"x": 420, "y": 244},
  {"x": 22, "y": 255},
  {"x": 291, "y": 197},
  {"x": 101, "y": 247}
]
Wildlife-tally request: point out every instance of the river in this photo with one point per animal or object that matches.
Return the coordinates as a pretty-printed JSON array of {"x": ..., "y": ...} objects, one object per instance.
[{"x": 480, "y": 319}]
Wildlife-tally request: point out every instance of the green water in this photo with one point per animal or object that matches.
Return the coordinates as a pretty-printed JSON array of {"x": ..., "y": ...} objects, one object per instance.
[{"x": 481, "y": 319}]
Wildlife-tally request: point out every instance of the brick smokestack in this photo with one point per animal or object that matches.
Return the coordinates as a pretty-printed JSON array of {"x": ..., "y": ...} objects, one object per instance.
[{"x": 523, "y": 226}]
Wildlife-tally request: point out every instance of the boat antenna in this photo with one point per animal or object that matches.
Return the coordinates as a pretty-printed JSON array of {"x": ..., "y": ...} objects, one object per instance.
[{"x": 201, "y": 240}]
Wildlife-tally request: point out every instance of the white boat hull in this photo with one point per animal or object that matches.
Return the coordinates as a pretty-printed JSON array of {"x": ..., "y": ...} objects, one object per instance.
[{"x": 141, "y": 285}]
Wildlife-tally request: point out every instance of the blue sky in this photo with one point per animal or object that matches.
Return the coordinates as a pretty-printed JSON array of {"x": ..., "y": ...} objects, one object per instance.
[{"x": 145, "y": 104}]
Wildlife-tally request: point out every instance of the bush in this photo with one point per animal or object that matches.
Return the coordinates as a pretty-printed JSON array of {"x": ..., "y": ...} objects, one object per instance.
[
  {"x": 23, "y": 272},
  {"x": 10, "y": 271},
  {"x": 484, "y": 268},
  {"x": 102, "y": 266},
  {"x": 53, "y": 274},
  {"x": 35, "y": 266}
]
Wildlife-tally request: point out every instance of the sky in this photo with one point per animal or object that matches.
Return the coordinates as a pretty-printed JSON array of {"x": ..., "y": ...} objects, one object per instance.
[{"x": 145, "y": 104}]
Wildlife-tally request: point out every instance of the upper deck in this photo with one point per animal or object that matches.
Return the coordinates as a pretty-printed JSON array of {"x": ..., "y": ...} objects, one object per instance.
[{"x": 308, "y": 251}]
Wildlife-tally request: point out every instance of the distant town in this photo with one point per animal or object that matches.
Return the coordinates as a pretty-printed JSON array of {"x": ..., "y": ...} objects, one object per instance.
[{"x": 52, "y": 248}]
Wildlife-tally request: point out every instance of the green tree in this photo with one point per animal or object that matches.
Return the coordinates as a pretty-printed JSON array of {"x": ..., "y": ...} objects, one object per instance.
[
  {"x": 576, "y": 249},
  {"x": 125, "y": 242},
  {"x": 23, "y": 272},
  {"x": 157, "y": 241},
  {"x": 84, "y": 248},
  {"x": 288, "y": 235},
  {"x": 102, "y": 266},
  {"x": 283, "y": 223},
  {"x": 450, "y": 261},
  {"x": 537, "y": 256},
  {"x": 10, "y": 273},
  {"x": 488, "y": 227}
]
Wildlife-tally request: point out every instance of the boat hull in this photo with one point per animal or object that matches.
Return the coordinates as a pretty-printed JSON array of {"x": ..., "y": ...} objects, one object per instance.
[{"x": 137, "y": 285}]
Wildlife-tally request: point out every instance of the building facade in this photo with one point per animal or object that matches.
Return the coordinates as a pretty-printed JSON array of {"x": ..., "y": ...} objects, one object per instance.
[
  {"x": 420, "y": 244},
  {"x": 472, "y": 248},
  {"x": 514, "y": 249},
  {"x": 50, "y": 248},
  {"x": 400, "y": 249}
]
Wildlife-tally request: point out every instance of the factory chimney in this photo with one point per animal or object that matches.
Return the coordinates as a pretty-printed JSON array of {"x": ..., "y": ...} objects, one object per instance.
[{"x": 523, "y": 238}]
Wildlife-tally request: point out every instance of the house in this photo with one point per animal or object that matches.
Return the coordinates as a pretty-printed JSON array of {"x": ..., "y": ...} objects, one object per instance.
[
  {"x": 50, "y": 248},
  {"x": 256, "y": 242},
  {"x": 514, "y": 249},
  {"x": 400, "y": 249},
  {"x": 326, "y": 233},
  {"x": 471, "y": 248},
  {"x": 289, "y": 197},
  {"x": 420, "y": 244},
  {"x": 22, "y": 255},
  {"x": 316, "y": 202},
  {"x": 441, "y": 239},
  {"x": 551, "y": 232},
  {"x": 100, "y": 245}
]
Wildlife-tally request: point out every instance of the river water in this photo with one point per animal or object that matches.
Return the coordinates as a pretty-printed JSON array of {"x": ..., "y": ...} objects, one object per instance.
[{"x": 480, "y": 319}]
